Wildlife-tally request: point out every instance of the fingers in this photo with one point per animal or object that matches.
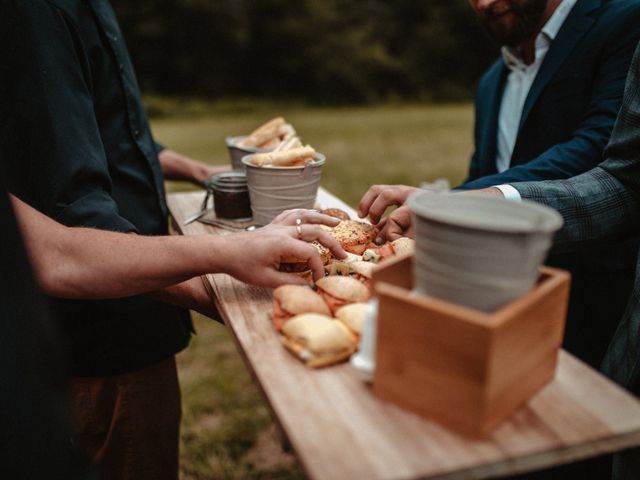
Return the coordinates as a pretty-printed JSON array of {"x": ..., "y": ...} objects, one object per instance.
[
  {"x": 313, "y": 217},
  {"x": 289, "y": 217},
  {"x": 273, "y": 278},
  {"x": 305, "y": 251},
  {"x": 368, "y": 198},
  {"x": 394, "y": 231},
  {"x": 381, "y": 225},
  {"x": 310, "y": 233},
  {"x": 385, "y": 199},
  {"x": 397, "y": 224}
]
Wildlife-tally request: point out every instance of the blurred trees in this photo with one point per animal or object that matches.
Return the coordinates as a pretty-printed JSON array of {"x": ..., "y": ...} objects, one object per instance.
[{"x": 327, "y": 51}]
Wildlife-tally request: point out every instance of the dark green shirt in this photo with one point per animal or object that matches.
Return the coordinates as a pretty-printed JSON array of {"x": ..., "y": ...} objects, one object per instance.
[{"x": 83, "y": 154}]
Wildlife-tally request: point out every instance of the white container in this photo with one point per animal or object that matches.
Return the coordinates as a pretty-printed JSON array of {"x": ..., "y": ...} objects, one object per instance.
[
  {"x": 479, "y": 251},
  {"x": 273, "y": 190}
]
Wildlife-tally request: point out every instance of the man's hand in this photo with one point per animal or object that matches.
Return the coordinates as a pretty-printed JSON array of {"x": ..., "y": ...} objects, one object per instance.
[
  {"x": 289, "y": 217},
  {"x": 397, "y": 224},
  {"x": 255, "y": 257},
  {"x": 180, "y": 167},
  {"x": 379, "y": 197}
]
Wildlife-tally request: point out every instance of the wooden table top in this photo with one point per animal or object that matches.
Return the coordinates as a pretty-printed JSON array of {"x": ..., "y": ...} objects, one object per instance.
[{"x": 339, "y": 429}]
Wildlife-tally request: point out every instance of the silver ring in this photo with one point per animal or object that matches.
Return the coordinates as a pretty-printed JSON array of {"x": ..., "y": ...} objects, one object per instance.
[
  {"x": 299, "y": 230},
  {"x": 298, "y": 221}
]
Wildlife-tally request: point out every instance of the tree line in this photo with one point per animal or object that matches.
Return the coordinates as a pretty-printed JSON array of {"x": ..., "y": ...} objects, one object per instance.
[{"x": 320, "y": 51}]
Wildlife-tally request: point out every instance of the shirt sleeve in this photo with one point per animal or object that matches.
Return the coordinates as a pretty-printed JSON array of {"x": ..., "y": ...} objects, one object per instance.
[
  {"x": 509, "y": 193},
  {"x": 62, "y": 168}
]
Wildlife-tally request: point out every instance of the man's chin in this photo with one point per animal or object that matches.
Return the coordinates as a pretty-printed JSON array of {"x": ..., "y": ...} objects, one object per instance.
[{"x": 506, "y": 33}]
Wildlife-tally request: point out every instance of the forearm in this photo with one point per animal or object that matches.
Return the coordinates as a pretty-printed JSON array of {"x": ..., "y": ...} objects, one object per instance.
[
  {"x": 127, "y": 265},
  {"x": 176, "y": 166},
  {"x": 87, "y": 263},
  {"x": 595, "y": 207}
]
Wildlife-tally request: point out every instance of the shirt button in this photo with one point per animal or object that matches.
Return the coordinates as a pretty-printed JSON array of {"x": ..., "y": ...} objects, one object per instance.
[{"x": 136, "y": 133}]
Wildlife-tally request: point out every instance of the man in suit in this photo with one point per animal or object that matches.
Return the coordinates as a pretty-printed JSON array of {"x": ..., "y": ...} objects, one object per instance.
[
  {"x": 545, "y": 110},
  {"x": 599, "y": 205}
]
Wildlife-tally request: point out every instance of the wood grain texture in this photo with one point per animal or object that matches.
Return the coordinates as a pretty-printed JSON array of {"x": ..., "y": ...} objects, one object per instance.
[
  {"x": 339, "y": 429},
  {"x": 467, "y": 370}
]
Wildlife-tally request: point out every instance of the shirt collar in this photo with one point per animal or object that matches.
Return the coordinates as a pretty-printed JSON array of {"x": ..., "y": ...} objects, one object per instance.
[{"x": 548, "y": 33}]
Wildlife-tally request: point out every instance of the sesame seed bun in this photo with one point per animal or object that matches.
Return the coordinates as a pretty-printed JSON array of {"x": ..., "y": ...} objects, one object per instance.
[{"x": 354, "y": 236}]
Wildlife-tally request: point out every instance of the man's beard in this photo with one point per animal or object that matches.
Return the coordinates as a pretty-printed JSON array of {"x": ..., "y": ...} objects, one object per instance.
[{"x": 514, "y": 27}]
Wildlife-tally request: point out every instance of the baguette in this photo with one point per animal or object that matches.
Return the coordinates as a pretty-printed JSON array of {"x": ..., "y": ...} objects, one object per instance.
[
  {"x": 264, "y": 133},
  {"x": 283, "y": 158}
]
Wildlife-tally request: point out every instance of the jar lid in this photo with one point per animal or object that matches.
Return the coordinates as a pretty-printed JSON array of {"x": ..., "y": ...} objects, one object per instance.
[{"x": 230, "y": 181}]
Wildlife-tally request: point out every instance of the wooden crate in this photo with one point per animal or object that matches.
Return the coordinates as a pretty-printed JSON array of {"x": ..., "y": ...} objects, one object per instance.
[{"x": 463, "y": 368}]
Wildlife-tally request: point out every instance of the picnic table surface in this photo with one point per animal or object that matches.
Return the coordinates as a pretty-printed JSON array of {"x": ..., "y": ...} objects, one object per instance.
[{"x": 339, "y": 429}]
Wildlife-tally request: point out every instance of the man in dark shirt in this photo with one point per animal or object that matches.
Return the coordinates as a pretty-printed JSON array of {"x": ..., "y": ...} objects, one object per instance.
[
  {"x": 85, "y": 156},
  {"x": 35, "y": 438}
]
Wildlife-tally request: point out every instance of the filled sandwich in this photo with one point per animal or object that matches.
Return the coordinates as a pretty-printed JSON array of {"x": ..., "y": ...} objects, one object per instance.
[
  {"x": 292, "y": 300},
  {"x": 318, "y": 340},
  {"x": 353, "y": 316},
  {"x": 338, "y": 291}
]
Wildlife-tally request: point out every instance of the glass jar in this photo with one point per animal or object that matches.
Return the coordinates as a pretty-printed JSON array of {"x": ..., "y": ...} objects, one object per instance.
[{"x": 230, "y": 195}]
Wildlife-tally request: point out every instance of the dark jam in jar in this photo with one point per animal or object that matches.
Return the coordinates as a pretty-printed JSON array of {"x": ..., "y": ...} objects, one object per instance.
[{"x": 230, "y": 195}]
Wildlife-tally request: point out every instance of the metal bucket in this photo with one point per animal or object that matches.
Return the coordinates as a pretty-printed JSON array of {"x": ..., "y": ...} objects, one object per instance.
[
  {"x": 275, "y": 189},
  {"x": 236, "y": 153},
  {"x": 479, "y": 251}
]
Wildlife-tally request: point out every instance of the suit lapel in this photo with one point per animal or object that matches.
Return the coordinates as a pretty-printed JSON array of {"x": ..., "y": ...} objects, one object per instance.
[{"x": 575, "y": 26}]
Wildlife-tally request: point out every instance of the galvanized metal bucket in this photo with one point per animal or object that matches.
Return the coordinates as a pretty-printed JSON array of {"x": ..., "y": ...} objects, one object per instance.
[{"x": 275, "y": 189}]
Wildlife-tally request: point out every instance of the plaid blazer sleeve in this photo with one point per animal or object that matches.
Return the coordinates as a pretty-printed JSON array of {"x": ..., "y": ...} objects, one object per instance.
[{"x": 604, "y": 202}]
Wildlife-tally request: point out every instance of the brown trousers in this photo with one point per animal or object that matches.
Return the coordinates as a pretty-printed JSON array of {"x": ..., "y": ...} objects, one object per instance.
[{"x": 129, "y": 424}]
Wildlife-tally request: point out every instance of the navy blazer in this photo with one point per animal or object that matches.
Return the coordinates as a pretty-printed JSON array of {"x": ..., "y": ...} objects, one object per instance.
[{"x": 569, "y": 113}]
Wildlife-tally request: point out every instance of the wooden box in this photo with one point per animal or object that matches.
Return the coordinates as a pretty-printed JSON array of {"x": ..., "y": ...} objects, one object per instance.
[{"x": 463, "y": 368}]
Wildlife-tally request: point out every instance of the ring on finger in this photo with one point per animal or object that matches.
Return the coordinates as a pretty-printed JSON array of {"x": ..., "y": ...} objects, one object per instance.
[
  {"x": 299, "y": 230},
  {"x": 298, "y": 221}
]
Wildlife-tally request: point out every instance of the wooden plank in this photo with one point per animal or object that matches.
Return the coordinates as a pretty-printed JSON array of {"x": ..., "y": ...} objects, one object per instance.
[{"x": 339, "y": 429}]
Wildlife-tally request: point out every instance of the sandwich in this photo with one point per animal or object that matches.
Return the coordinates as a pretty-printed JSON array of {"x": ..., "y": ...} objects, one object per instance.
[
  {"x": 363, "y": 272},
  {"x": 318, "y": 340},
  {"x": 292, "y": 300},
  {"x": 353, "y": 316},
  {"x": 341, "y": 266},
  {"x": 354, "y": 236},
  {"x": 301, "y": 267},
  {"x": 338, "y": 291},
  {"x": 403, "y": 245},
  {"x": 337, "y": 213}
]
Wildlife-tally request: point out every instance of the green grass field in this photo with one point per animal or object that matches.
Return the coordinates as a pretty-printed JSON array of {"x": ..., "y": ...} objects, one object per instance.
[{"x": 227, "y": 432}]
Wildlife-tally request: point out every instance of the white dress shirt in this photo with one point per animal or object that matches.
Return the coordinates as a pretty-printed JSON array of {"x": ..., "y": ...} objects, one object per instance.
[{"x": 516, "y": 90}]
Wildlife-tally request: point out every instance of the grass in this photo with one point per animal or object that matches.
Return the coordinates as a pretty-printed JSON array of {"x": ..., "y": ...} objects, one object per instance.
[{"x": 227, "y": 432}]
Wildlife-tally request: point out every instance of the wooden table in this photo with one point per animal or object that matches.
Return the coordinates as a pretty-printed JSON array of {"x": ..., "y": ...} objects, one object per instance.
[{"x": 339, "y": 429}]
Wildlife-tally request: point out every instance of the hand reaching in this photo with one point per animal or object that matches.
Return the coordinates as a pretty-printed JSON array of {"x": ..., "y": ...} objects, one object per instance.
[{"x": 379, "y": 197}]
